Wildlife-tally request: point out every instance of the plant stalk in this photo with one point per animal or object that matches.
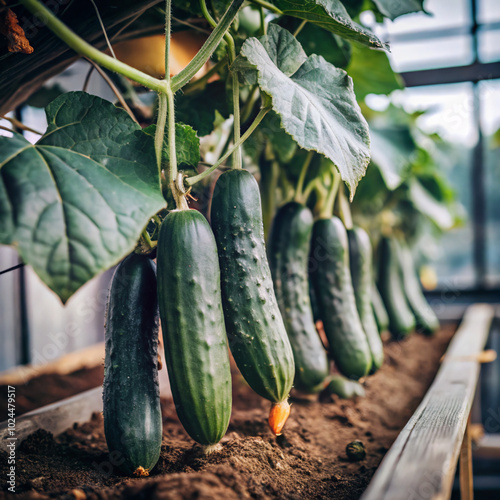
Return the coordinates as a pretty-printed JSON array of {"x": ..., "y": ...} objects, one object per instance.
[
  {"x": 190, "y": 181},
  {"x": 235, "y": 85},
  {"x": 327, "y": 208},
  {"x": 344, "y": 209},
  {"x": 83, "y": 48},
  {"x": 204, "y": 54},
  {"x": 299, "y": 190}
]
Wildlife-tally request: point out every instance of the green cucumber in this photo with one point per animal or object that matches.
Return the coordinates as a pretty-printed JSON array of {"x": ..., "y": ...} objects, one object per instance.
[
  {"x": 344, "y": 388},
  {"x": 257, "y": 335},
  {"x": 131, "y": 395},
  {"x": 390, "y": 285},
  {"x": 289, "y": 247},
  {"x": 360, "y": 261},
  {"x": 379, "y": 310},
  {"x": 192, "y": 322},
  {"x": 425, "y": 317},
  {"x": 329, "y": 265}
]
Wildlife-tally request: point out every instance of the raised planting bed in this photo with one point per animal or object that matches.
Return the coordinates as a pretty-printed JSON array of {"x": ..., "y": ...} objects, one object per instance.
[{"x": 308, "y": 461}]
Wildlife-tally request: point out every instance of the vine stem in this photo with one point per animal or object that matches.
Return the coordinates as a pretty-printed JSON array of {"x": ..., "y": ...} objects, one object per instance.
[
  {"x": 160, "y": 129},
  {"x": 208, "y": 48},
  {"x": 344, "y": 209},
  {"x": 231, "y": 54},
  {"x": 190, "y": 181},
  {"x": 268, "y": 6},
  {"x": 299, "y": 190},
  {"x": 299, "y": 28},
  {"x": 327, "y": 207},
  {"x": 82, "y": 47},
  {"x": 203, "y": 80}
]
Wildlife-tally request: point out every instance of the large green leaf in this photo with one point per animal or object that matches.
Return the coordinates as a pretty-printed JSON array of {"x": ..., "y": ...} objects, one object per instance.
[
  {"x": 371, "y": 72},
  {"x": 76, "y": 202},
  {"x": 330, "y": 15},
  {"x": 314, "y": 100},
  {"x": 393, "y": 9}
]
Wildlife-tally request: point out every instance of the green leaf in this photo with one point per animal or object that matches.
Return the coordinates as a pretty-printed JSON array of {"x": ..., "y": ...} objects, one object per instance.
[
  {"x": 371, "y": 72},
  {"x": 76, "y": 202},
  {"x": 429, "y": 206},
  {"x": 198, "y": 109},
  {"x": 392, "y": 9},
  {"x": 333, "y": 48},
  {"x": 314, "y": 100},
  {"x": 330, "y": 15},
  {"x": 393, "y": 151},
  {"x": 187, "y": 145}
]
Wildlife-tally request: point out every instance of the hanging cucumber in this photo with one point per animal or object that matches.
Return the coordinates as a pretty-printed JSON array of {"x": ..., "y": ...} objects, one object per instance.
[
  {"x": 289, "y": 247},
  {"x": 379, "y": 310},
  {"x": 255, "y": 328},
  {"x": 360, "y": 261},
  {"x": 344, "y": 388},
  {"x": 426, "y": 319},
  {"x": 390, "y": 285},
  {"x": 192, "y": 321},
  {"x": 131, "y": 396},
  {"x": 331, "y": 277}
]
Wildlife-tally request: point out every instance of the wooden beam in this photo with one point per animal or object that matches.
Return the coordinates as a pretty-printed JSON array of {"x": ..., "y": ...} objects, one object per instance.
[
  {"x": 422, "y": 461},
  {"x": 466, "y": 487}
]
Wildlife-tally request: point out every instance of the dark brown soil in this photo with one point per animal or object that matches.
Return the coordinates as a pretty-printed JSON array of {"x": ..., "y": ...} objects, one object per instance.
[{"x": 307, "y": 462}]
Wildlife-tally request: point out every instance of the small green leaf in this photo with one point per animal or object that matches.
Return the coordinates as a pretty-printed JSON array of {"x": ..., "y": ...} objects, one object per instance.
[
  {"x": 371, "y": 72},
  {"x": 330, "y": 15},
  {"x": 392, "y": 9},
  {"x": 76, "y": 202},
  {"x": 314, "y": 100},
  {"x": 198, "y": 109},
  {"x": 187, "y": 145}
]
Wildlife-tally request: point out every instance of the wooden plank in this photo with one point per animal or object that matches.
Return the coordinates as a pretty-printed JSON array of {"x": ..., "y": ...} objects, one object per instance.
[
  {"x": 54, "y": 418},
  {"x": 422, "y": 461},
  {"x": 466, "y": 487}
]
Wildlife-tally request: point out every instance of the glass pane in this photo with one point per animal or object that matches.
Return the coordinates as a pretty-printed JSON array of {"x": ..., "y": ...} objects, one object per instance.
[
  {"x": 436, "y": 53},
  {"x": 451, "y": 115},
  {"x": 488, "y": 11},
  {"x": 489, "y": 45},
  {"x": 490, "y": 104},
  {"x": 444, "y": 14}
]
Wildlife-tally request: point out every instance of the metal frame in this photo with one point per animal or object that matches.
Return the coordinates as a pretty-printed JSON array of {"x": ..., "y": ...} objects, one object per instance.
[{"x": 473, "y": 73}]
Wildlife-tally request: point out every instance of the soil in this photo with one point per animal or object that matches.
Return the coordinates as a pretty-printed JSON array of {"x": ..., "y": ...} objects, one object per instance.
[{"x": 308, "y": 462}]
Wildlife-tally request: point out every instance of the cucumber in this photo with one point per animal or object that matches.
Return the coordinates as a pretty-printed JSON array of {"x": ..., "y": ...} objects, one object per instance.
[
  {"x": 425, "y": 317},
  {"x": 344, "y": 388},
  {"x": 329, "y": 264},
  {"x": 390, "y": 285},
  {"x": 192, "y": 322},
  {"x": 360, "y": 261},
  {"x": 289, "y": 247},
  {"x": 131, "y": 396},
  {"x": 257, "y": 335},
  {"x": 379, "y": 310}
]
